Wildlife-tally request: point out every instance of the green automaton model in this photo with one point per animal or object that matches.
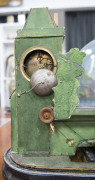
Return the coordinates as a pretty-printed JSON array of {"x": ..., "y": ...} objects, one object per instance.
[{"x": 71, "y": 131}]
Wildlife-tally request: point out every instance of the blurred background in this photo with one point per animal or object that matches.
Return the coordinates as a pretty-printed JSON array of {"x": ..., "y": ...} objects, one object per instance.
[{"x": 78, "y": 18}]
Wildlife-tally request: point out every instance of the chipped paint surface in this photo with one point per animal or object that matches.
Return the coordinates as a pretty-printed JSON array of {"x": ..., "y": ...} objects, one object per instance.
[
  {"x": 29, "y": 134},
  {"x": 31, "y": 138},
  {"x": 65, "y": 96}
]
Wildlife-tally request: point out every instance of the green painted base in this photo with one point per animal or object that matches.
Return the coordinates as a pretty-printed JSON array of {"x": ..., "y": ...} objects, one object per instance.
[
  {"x": 52, "y": 162},
  {"x": 13, "y": 171}
]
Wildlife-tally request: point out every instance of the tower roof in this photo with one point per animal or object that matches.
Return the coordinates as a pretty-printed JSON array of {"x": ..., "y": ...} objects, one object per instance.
[
  {"x": 40, "y": 24},
  {"x": 39, "y": 18}
]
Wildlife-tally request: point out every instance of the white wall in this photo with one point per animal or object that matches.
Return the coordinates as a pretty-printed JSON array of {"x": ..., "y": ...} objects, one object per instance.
[{"x": 51, "y": 4}]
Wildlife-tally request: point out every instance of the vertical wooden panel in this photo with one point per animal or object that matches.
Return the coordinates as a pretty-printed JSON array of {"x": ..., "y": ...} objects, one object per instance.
[{"x": 56, "y": 18}]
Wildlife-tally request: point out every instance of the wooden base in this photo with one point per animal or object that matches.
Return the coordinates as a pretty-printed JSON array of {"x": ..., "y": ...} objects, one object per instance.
[{"x": 13, "y": 171}]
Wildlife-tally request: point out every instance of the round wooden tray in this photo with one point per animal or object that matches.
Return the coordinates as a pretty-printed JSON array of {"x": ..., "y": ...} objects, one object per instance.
[{"x": 13, "y": 171}]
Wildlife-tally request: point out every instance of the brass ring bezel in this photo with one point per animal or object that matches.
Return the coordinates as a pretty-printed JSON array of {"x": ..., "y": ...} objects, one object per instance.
[{"x": 33, "y": 49}]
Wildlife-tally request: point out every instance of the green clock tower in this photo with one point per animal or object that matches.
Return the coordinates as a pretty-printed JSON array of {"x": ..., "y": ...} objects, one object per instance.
[{"x": 47, "y": 129}]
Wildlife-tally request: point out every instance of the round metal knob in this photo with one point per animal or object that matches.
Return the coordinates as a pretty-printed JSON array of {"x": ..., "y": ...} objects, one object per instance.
[
  {"x": 42, "y": 81},
  {"x": 46, "y": 115}
]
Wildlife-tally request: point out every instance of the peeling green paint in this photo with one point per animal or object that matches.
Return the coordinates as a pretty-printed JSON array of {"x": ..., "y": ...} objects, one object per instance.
[
  {"x": 65, "y": 95},
  {"x": 33, "y": 135}
]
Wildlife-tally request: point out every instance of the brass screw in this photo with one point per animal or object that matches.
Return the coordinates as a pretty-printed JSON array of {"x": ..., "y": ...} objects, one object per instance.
[{"x": 18, "y": 95}]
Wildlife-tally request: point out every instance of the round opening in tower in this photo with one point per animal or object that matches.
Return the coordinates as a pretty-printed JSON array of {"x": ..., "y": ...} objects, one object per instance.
[{"x": 37, "y": 58}]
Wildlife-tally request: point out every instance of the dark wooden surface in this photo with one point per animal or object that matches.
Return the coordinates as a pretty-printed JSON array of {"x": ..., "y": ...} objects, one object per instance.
[
  {"x": 5, "y": 136},
  {"x": 12, "y": 171}
]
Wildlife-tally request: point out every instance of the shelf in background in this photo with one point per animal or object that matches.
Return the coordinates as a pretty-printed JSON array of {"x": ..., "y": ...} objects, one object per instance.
[
  {"x": 9, "y": 41},
  {"x": 7, "y": 34}
]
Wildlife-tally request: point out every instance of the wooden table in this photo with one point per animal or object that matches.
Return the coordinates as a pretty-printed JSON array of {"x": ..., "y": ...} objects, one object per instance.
[{"x": 5, "y": 136}]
